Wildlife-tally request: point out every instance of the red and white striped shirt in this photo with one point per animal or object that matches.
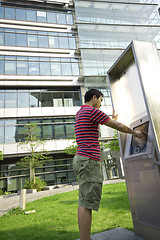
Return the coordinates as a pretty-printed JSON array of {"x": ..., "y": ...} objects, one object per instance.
[{"x": 87, "y": 131}]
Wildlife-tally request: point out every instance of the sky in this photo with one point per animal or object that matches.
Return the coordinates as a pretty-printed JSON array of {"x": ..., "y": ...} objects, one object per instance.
[{"x": 158, "y": 1}]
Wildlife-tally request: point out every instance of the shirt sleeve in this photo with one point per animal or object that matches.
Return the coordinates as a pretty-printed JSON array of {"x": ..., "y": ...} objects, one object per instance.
[{"x": 99, "y": 117}]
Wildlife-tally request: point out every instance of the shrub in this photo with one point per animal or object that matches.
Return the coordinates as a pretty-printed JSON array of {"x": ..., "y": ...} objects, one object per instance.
[
  {"x": 39, "y": 184},
  {"x": 1, "y": 192}
]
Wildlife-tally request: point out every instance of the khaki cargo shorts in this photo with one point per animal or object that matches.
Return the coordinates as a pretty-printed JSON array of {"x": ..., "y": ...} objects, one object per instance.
[{"x": 90, "y": 177}]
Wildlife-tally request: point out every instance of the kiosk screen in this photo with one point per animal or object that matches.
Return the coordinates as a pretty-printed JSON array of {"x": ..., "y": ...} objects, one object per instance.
[{"x": 138, "y": 145}]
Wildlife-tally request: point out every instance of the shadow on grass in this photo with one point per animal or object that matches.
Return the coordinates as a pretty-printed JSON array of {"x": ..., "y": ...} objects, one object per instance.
[{"x": 37, "y": 232}]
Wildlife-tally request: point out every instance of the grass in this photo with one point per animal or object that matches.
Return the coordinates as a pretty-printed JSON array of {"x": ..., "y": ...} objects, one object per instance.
[{"x": 56, "y": 216}]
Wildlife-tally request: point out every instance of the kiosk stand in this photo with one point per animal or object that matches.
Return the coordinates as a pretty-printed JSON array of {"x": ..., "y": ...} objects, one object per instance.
[{"x": 134, "y": 82}]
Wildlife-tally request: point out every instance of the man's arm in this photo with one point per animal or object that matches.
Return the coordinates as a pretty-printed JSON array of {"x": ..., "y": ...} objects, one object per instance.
[{"x": 122, "y": 128}]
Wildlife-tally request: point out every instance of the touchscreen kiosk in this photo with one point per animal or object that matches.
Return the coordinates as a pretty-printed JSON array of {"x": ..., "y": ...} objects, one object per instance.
[{"x": 138, "y": 145}]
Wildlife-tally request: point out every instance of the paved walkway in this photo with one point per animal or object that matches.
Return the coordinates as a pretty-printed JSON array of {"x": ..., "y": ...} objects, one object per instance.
[{"x": 11, "y": 201}]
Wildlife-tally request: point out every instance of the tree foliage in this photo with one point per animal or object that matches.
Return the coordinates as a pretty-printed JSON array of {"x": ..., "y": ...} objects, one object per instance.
[
  {"x": 113, "y": 145},
  {"x": 1, "y": 156},
  {"x": 34, "y": 146},
  {"x": 72, "y": 149}
]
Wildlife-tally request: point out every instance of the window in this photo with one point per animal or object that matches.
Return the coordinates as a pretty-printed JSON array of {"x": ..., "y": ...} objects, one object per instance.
[
  {"x": 20, "y": 14},
  {"x": 1, "y": 66},
  {"x": 55, "y": 68},
  {"x": 10, "y": 100},
  {"x": 10, "y": 13},
  {"x": 41, "y": 16},
  {"x": 33, "y": 68},
  {"x": 23, "y": 100},
  {"x": 10, "y": 39},
  {"x": 51, "y": 16},
  {"x": 46, "y": 99},
  {"x": 22, "y": 68},
  {"x": 21, "y": 40},
  {"x": 45, "y": 68},
  {"x": 10, "y": 67},
  {"x": 53, "y": 42},
  {"x": 31, "y": 15},
  {"x": 59, "y": 129},
  {"x": 61, "y": 18},
  {"x": 66, "y": 69},
  {"x": 1, "y": 38},
  {"x": 35, "y": 99},
  {"x": 32, "y": 41},
  {"x": 1, "y": 99},
  {"x": 43, "y": 41}
]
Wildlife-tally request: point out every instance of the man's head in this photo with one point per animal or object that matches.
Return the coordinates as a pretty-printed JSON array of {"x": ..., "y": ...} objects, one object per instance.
[{"x": 94, "y": 97}]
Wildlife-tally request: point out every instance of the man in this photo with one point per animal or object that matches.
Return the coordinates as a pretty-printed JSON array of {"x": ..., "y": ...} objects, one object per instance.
[{"x": 86, "y": 162}]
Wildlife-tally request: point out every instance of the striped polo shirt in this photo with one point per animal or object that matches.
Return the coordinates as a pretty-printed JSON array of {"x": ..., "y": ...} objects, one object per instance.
[{"x": 87, "y": 131}]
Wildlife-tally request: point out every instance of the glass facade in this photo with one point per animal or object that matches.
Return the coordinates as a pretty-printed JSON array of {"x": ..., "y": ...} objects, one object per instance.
[
  {"x": 24, "y": 98},
  {"x": 106, "y": 28},
  {"x": 12, "y": 177},
  {"x": 35, "y": 15},
  {"x": 14, "y": 130},
  {"x": 41, "y": 39},
  {"x": 22, "y": 65}
]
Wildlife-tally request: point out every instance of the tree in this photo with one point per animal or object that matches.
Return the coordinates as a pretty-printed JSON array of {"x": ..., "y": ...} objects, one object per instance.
[
  {"x": 72, "y": 149},
  {"x": 113, "y": 145},
  {"x": 37, "y": 156},
  {"x": 1, "y": 156}
]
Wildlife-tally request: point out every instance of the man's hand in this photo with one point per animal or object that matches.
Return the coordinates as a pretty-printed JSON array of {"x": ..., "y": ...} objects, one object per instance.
[
  {"x": 138, "y": 134},
  {"x": 114, "y": 117}
]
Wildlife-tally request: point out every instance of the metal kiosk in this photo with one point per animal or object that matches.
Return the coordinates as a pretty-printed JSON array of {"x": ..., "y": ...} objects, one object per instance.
[{"x": 134, "y": 82}]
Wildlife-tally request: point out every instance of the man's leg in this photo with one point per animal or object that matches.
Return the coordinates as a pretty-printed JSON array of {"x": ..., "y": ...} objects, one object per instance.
[{"x": 84, "y": 222}]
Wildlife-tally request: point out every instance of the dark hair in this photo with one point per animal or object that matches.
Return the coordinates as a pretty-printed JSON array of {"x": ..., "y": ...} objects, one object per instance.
[{"x": 90, "y": 93}]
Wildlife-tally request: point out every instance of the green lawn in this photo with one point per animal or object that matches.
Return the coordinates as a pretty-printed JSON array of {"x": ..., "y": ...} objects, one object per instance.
[{"x": 56, "y": 216}]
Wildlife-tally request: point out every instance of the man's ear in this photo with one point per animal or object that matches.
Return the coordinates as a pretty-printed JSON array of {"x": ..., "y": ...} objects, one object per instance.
[{"x": 94, "y": 97}]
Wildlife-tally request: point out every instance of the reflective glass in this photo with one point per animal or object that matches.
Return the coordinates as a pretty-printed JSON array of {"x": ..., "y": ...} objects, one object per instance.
[
  {"x": 10, "y": 13},
  {"x": 70, "y": 130},
  {"x": 1, "y": 38},
  {"x": 20, "y": 14},
  {"x": 51, "y": 17},
  {"x": 43, "y": 41},
  {"x": 35, "y": 99},
  {"x": 55, "y": 68},
  {"x": 75, "y": 68},
  {"x": 72, "y": 43},
  {"x": 47, "y": 131},
  {"x": 57, "y": 99},
  {"x": 21, "y": 133},
  {"x": 66, "y": 69},
  {"x": 33, "y": 68},
  {"x": 45, "y": 68},
  {"x": 31, "y": 15},
  {"x": 1, "y": 99},
  {"x": 63, "y": 42},
  {"x": 1, "y": 12},
  {"x": 10, "y": 67},
  {"x": 46, "y": 99},
  {"x": 69, "y": 18},
  {"x": 23, "y": 100},
  {"x": 76, "y": 99},
  {"x": 59, "y": 131},
  {"x": 41, "y": 16},
  {"x": 61, "y": 18},
  {"x": 10, "y": 134},
  {"x": 53, "y": 42},
  {"x": 1, "y": 135},
  {"x": 1, "y": 67},
  {"x": 21, "y": 40},
  {"x": 22, "y": 68},
  {"x": 32, "y": 41},
  {"x": 10, "y": 100},
  {"x": 10, "y": 39},
  {"x": 68, "y": 99}
]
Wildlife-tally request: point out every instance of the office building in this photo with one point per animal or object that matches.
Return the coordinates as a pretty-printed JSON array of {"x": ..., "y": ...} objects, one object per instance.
[{"x": 51, "y": 52}]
